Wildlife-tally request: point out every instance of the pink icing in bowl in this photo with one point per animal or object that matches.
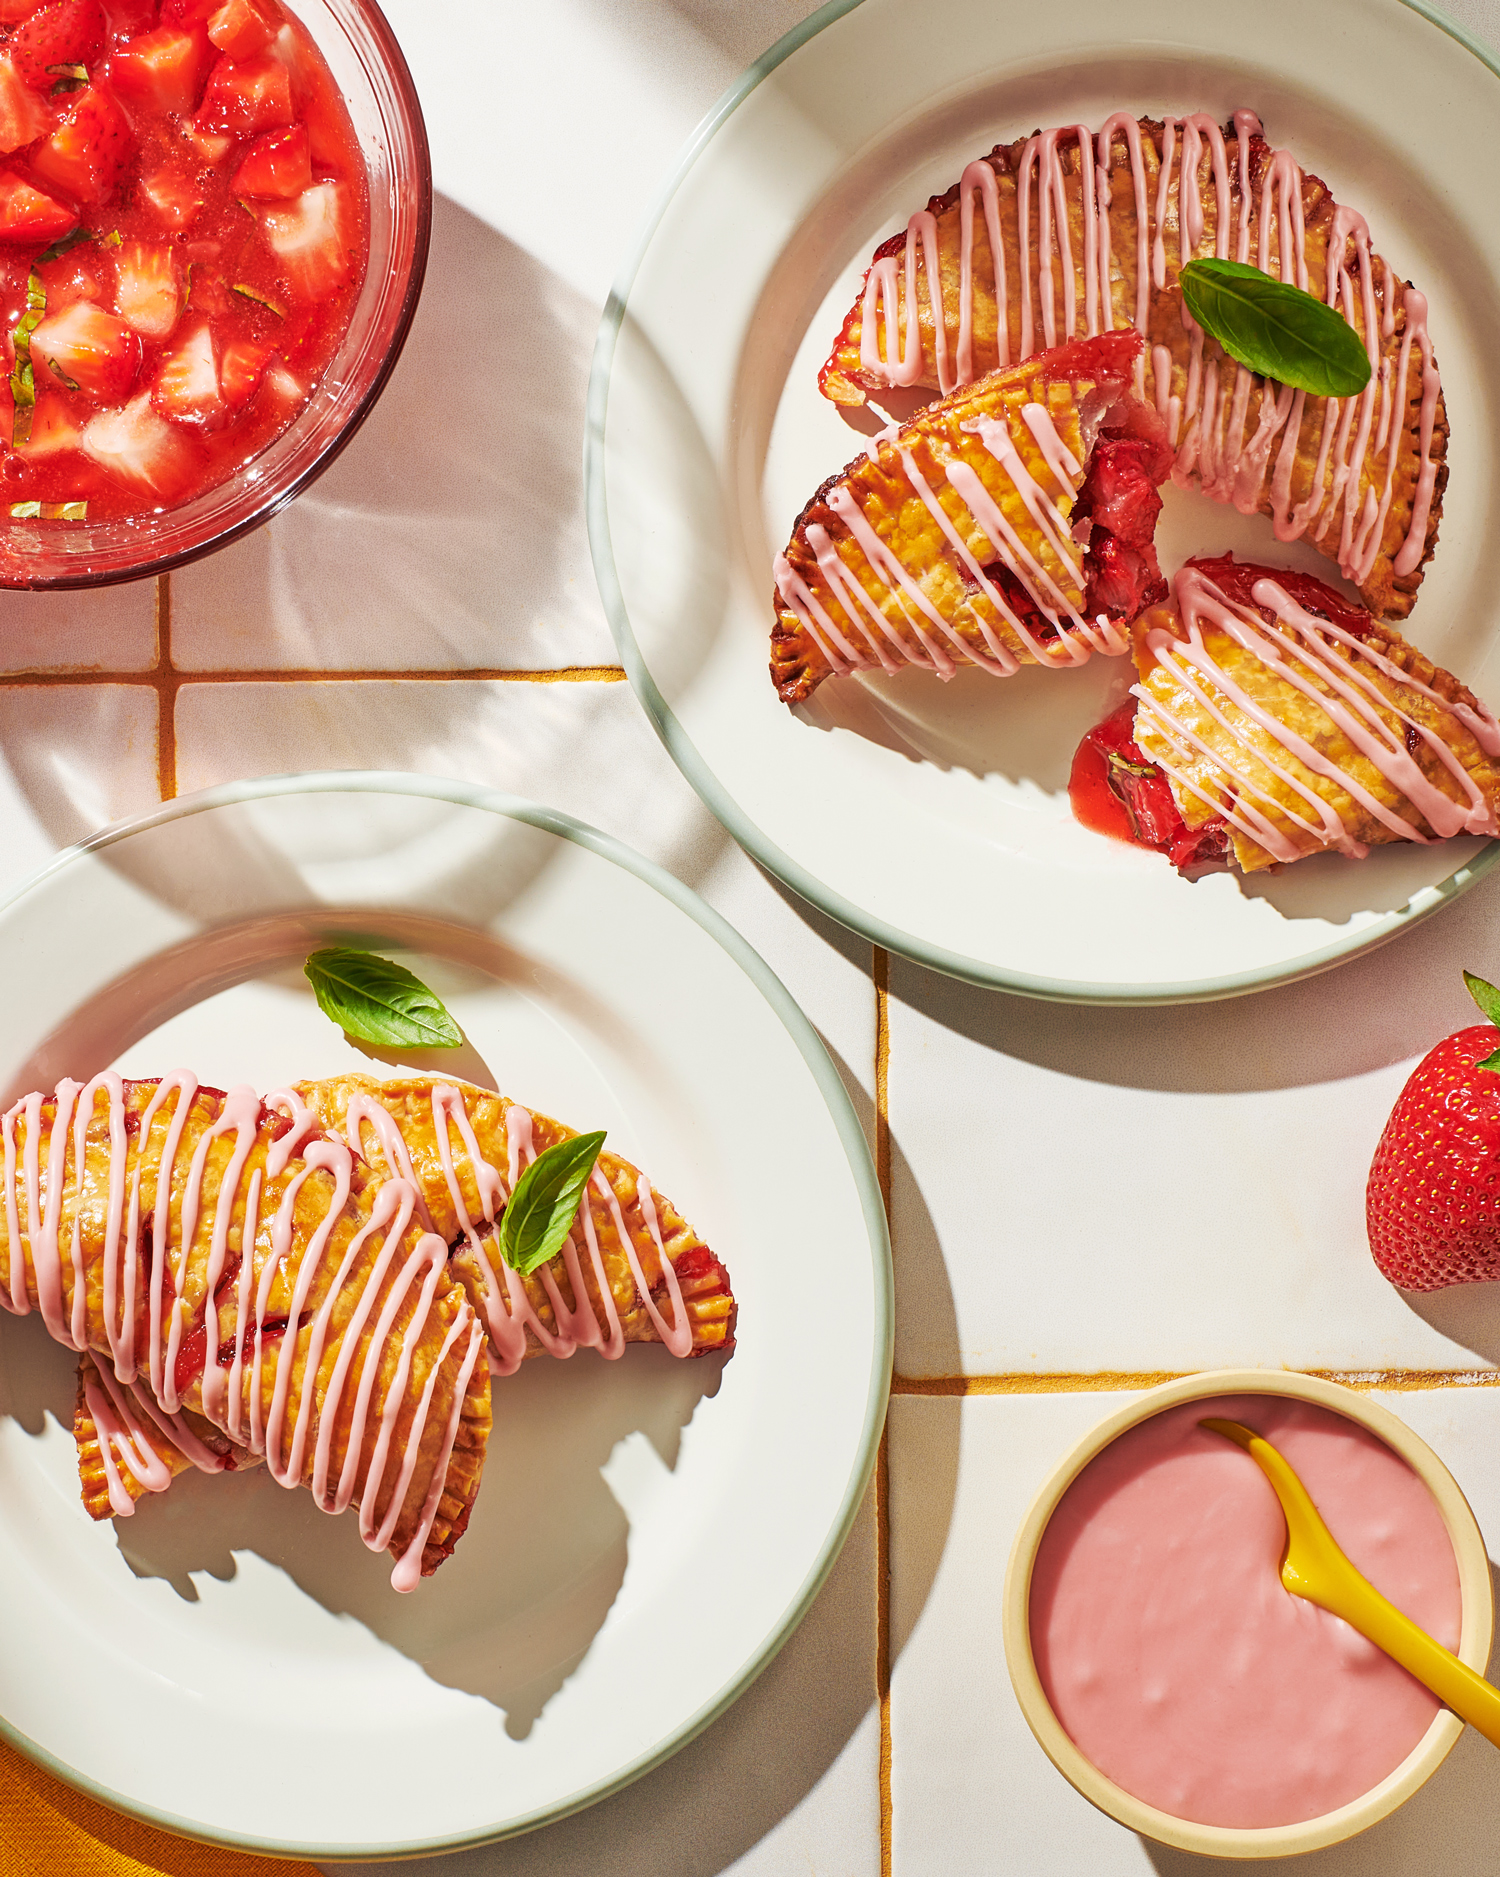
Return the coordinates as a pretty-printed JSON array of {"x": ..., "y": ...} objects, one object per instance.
[{"x": 1167, "y": 1673}]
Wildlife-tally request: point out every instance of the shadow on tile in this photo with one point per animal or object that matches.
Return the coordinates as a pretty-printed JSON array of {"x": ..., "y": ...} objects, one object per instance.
[
  {"x": 1468, "y": 1314},
  {"x": 1382, "y": 1007},
  {"x": 923, "y": 1288},
  {"x": 513, "y": 1612},
  {"x": 1448, "y": 1829},
  {"x": 450, "y": 533},
  {"x": 108, "y": 629},
  {"x": 851, "y": 945},
  {"x": 79, "y": 755},
  {"x": 729, "y": 1789}
]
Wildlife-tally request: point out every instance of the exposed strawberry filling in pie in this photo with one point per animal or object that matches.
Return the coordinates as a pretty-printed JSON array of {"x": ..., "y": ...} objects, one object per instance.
[
  {"x": 1011, "y": 523},
  {"x": 1272, "y": 720},
  {"x": 1115, "y": 791},
  {"x": 183, "y": 231}
]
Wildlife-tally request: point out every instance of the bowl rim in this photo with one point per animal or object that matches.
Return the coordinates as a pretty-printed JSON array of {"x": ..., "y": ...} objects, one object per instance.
[
  {"x": 277, "y": 499},
  {"x": 1224, "y": 1841}
]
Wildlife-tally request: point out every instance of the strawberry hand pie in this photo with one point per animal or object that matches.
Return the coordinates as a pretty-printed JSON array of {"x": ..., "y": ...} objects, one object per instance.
[
  {"x": 1012, "y": 523},
  {"x": 1273, "y": 720},
  {"x": 1071, "y": 231},
  {"x": 333, "y": 1294}
]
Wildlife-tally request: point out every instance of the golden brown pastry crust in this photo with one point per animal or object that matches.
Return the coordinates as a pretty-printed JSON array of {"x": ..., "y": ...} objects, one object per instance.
[
  {"x": 702, "y": 1282},
  {"x": 1236, "y": 411},
  {"x": 880, "y": 487},
  {"x": 701, "y": 1278},
  {"x": 1227, "y": 735},
  {"x": 84, "y": 1220},
  {"x": 101, "y": 1461}
]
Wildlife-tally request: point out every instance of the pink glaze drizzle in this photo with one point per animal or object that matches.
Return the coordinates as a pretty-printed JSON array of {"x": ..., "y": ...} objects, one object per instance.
[
  {"x": 122, "y": 1440},
  {"x": 222, "y": 1389},
  {"x": 509, "y": 1313},
  {"x": 882, "y": 644},
  {"x": 1301, "y": 651},
  {"x": 1207, "y": 419}
]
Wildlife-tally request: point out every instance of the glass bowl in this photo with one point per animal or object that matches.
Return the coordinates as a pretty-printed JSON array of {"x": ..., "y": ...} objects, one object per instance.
[{"x": 370, "y": 72}]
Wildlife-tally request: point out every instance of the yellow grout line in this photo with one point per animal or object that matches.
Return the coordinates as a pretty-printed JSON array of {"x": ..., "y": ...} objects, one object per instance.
[
  {"x": 883, "y": 1637},
  {"x": 880, "y": 969},
  {"x": 569, "y": 674},
  {"x": 166, "y": 693},
  {"x": 1123, "y": 1380},
  {"x": 565, "y": 674}
]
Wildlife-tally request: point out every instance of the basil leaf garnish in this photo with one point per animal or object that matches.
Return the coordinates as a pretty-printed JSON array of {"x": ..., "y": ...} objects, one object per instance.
[
  {"x": 49, "y": 511},
  {"x": 545, "y": 1202},
  {"x": 1276, "y": 329},
  {"x": 251, "y": 293},
  {"x": 22, "y": 384},
  {"x": 62, "y": 245},
  {"x": 375, "y": 1001}
]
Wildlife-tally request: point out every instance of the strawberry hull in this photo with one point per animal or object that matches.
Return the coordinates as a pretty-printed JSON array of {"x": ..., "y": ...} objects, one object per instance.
[{"x": 234, "y": 301}]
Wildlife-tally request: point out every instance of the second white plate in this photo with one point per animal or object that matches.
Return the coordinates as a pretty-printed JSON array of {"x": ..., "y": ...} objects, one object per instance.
[
  {"x": 230, "y": 1661},
  {"x": 935, "y": 818}
]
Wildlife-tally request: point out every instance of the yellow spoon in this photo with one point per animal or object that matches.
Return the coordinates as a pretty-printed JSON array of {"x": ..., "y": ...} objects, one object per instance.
[{"x": 1313, "y": 1567}]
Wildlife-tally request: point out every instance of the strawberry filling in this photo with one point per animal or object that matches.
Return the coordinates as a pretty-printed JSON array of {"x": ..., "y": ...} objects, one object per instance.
[
  {"x": 183, "y": 232},
  {"x": 1116, "y": 790},
  {"x": 1117, "y": 498},
  {"x": 1132, "y": 456},
  {"x": 1236, "y": 581}
]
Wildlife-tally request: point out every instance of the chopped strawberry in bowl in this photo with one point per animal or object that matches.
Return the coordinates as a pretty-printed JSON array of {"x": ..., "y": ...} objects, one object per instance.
[{"x": 192, "y": 323}]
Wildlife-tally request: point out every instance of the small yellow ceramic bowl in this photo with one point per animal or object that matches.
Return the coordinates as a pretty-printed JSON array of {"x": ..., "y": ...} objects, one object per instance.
[{"x": 1221, "y": 1840}]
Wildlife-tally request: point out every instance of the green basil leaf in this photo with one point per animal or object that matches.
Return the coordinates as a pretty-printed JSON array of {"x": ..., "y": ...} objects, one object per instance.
[
  {"x": 22, "y": 384},
  {"x": 260, "y": 299},
  {"x": 62, "y": 244},
  {"x": 545, "y": 1202},
  {"x": 1276, "y": 329},
  {"x": 375, "y": 1001}
]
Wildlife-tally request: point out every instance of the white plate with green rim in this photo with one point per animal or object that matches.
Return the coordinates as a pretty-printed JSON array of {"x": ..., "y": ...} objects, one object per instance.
[
  {"x": 934, "y": 819},
  {"x": 232, "y": 1663}
]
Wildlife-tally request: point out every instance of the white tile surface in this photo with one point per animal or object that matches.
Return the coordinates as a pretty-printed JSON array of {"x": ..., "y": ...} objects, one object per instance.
[
  {"x": 972, "y": 1792},
  {"x": 570, "y": 164},
  {"x": 1140, "y": 1190},
  {"x": 585, "y": 748},
  {"x": 72, "y": 757},
  {"x": 112, "y": 629},
  {"x": 449, "y": 535},
  {"x": 1074, "y": 1190},
  {"x": 785, "y": 1782}
]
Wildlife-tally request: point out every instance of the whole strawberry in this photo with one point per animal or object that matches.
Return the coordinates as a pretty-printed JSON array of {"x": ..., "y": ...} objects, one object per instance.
[{"x": 1432, "y": 1207}]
